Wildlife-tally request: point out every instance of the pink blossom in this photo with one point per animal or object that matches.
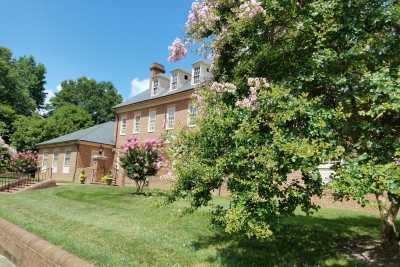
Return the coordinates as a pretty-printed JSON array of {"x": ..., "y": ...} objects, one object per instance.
[
  {"x": 223, "y": 87},
  {"x": 177, "y": 50},
  {"x": 130, "y": 144},
  {"x": 201, "y": 18},
  {"x": 250, "y": 9},
  {"x": 256, "y": 84},
  {"x": 153, "y": 143}
]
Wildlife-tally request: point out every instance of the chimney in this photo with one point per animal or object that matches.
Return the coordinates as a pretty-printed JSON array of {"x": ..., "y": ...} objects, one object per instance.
[{"x": 155, "y": 69}]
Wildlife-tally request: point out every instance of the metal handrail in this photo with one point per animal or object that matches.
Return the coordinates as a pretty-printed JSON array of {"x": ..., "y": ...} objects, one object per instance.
[{"x": 10, "y": 181}]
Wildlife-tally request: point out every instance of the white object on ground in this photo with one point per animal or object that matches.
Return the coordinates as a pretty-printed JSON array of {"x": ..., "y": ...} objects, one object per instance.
[{"x": 326, "y": 171}]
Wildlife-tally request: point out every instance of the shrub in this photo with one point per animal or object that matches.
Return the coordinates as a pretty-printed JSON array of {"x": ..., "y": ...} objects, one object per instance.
[
  {"x": 141, "y": 160},
  {"x": 82, "y": 177},
  {"x": 107, "y": 179},
  {"x": 25, "y": 162},
  {"x": 5, "y": 159}
]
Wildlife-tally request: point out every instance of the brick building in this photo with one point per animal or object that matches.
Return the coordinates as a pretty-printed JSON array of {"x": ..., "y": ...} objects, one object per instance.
[
  {"x": 90, "y": 149},
  {"x": 166, "y": 106}
]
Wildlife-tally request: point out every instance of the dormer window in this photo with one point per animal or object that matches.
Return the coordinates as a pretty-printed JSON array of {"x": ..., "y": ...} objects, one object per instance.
[
  {"x": 196, "y": 75},
  {"x": 174, "y": 82},
  {"x": 155, "y": 86}
]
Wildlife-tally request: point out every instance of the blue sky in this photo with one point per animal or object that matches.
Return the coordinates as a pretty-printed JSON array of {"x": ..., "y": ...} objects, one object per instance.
[{"x": 101, "y": 39}]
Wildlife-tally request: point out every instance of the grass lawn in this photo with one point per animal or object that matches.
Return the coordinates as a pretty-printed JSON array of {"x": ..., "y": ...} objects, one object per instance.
[{"x": 110, "y": 227}]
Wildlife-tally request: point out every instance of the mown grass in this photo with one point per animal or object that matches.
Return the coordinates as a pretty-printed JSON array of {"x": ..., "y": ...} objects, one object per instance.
[{"x": 109, "y": 226}]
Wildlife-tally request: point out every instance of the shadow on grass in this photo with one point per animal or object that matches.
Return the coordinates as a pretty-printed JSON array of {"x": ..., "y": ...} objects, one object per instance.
[
  {"x": 153, "y": 193},
  {"x": 304, "y": 241}
]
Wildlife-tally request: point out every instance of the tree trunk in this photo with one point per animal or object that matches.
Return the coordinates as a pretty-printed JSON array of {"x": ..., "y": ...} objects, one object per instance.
[{"x": 388, "y": 211}]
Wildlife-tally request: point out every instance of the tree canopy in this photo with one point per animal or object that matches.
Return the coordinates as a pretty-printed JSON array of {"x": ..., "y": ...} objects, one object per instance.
[
  {"x": 97, "y": 98},
  {"x": 298, "y": 83},
  {"x": 79, "y": 104},
  {"x": 22, "y": 89},
  {"x": 31, "y": 130}
]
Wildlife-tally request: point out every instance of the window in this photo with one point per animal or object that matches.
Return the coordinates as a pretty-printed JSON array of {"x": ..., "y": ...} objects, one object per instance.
[
  {"x": 45, "y": 161},
  {"x": 152, "y": 121},
  {"x": 196, "y": 75},
  {"x": 54, "y": 164},
  {"x": 155, "y": 86},
  {"x": 170, "y": 117},
  {"x": 136, "y": 123},
  {"x": 174, "y": 82},
  {"x": 67, "y": 161},
  {"x": 192, "y": 110},
  {"x": 124, "y": 125}
]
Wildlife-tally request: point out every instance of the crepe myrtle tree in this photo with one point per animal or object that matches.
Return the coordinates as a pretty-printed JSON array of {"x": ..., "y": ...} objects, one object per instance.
[
  {"x": 296, "y": 83},
  {"x": 25, "y": 162},
  {"x": 141, "y": 160}
]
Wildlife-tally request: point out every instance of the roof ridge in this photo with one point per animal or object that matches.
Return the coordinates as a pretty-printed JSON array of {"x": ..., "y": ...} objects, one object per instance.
[{"x": 82, "y": 134}]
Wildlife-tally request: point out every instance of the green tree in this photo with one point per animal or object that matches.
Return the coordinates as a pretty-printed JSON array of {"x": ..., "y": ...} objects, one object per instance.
[
  {"x": 21, "y": 88},
  {"x": 32, "y": 77},
  {"x": 313, "y": 81},
  {"x": 97, "y": 98},
  {"x": 31, "y": 130},
  {"x": 68, "y": 118}
]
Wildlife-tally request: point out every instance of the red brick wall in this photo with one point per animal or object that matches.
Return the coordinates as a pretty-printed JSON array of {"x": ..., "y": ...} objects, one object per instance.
[{"x": 181, "y": 120}]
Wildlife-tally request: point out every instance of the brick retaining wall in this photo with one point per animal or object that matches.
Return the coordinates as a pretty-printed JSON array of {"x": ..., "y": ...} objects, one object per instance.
[{"x": 27, "y": 250}]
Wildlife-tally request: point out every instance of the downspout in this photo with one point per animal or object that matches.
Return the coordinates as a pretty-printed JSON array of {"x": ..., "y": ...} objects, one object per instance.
[
  {"x": 116, "y": 149},
  {"x": 76, "y": 161}
]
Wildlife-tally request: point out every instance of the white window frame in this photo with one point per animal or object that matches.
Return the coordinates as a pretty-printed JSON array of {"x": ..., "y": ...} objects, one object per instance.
[
  {"x": 174, "y": 82},
  {"x": 155, "y": 86},
  {"x": 170, "y": 117},
  {"x": 66, "y": 167},
  {"x": 136, "y": 124},
  {"x": 192, "y": 115},
  {"x": 45, "y": 160},
  {"x": 196, "y": 74},
  {"x": 152, "y": 120},
  {"x": 123, "y": 125},
  {"x": 54, "y": 163}
]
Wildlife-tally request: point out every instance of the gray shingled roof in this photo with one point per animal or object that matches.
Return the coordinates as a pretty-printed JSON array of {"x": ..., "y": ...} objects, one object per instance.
[
  {"x": 101, "y": 133},
  {"x": 146, "y": 95}
]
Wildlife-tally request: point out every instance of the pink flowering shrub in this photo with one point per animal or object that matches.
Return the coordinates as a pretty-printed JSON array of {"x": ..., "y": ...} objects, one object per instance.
[
  {"x": 177, "y": 50},
  {"x": 223, "y": 87},
  {"x": 25, "y": 162},
  {"x": 202, "y": 17},
  {"x": 256, "y": 84},
  {"x": 250, "y": 9},
  {"x": 141, "y": 160}
]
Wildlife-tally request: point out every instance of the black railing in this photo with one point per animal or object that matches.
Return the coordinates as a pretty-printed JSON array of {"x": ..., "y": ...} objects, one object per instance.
[{"x": 14, "y": 181}]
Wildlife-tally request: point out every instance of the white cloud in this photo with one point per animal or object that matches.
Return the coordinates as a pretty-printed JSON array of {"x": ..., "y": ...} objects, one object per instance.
[
  {"x": 49, "y": 94},
  {"x": 138, "y": 86},
  {"x": 59, "y": 87}
]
